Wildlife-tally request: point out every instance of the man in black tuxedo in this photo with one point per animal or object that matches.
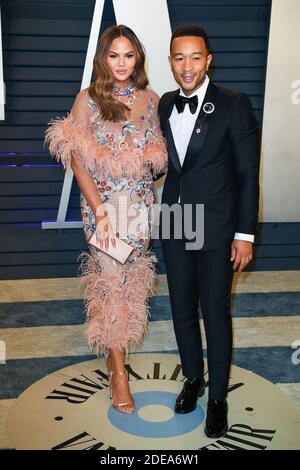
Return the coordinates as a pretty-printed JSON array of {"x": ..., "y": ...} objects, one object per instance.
[{"x": 213, "y": 147}]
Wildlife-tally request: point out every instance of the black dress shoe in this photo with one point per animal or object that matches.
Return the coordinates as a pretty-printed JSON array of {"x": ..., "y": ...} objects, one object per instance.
[
  {"x": 216, "y": 420},
  {"x": 187, "y": 399}
]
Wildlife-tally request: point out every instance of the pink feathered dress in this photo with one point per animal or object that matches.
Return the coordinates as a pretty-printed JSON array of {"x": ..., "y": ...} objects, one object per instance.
[{"x": 122, "y": 158}]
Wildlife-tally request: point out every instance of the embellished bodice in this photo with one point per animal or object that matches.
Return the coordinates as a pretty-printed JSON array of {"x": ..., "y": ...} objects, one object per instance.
[{"x": 132, "y": 134}]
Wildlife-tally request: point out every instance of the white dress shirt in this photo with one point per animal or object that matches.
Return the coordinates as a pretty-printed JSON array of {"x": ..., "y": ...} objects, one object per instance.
[{"x": 182, "y": 125}]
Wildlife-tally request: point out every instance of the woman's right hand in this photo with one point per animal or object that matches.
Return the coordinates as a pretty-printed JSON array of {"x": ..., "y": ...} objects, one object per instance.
[{"x": 104, "y": 231}]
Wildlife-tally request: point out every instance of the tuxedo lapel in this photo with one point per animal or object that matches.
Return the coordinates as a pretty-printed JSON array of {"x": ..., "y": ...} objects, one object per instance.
[
  {"x": 200, "y": 131},
  {"x": 172, "y": 148},
  {"x": 166, "y": 128}
]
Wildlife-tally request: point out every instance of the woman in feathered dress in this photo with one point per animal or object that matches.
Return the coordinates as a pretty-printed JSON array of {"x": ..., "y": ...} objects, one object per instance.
[{"x": 114, "y": 144}]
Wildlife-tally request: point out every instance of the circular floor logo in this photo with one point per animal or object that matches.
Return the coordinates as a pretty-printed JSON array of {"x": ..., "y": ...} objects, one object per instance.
[{"x": 70, "y": 409}]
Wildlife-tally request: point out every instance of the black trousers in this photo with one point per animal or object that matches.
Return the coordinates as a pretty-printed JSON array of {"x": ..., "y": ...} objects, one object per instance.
[{"x": 205, "y": 277}]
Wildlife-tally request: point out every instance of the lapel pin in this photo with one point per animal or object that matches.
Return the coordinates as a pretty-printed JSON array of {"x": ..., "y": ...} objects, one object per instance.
[
  {"x": 208, "y": 108},
  {"x": 198, "y": 130}
]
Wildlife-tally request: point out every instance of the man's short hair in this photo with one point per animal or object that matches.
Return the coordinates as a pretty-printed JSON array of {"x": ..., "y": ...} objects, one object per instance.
[{"x": 191, "y": 30}]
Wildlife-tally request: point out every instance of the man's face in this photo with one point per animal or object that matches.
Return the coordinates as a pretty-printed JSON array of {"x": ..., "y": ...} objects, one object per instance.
[{"x": 189, "y": 62}]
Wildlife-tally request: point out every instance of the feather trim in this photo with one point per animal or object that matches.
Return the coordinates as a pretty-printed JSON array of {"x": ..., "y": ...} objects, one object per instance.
[
  {"x": 65, "y": 135},
  {"x": 117, "y": 311}
]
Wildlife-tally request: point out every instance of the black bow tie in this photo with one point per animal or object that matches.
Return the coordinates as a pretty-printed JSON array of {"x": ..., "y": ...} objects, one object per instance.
[{"x": 181, "y": 101}]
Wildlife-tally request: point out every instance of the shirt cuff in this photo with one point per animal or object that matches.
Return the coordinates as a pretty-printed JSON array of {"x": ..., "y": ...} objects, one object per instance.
[{"x": 244, "y": 236}]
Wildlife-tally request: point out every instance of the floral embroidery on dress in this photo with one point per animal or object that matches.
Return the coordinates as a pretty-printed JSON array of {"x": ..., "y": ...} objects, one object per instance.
[{"x": 122, "y": 158}]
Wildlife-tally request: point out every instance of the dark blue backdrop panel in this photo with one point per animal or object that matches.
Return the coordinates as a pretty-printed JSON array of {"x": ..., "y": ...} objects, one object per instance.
[{"x": 45, "y": 44}]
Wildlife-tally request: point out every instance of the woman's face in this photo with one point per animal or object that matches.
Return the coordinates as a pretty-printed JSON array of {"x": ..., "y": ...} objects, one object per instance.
[{"x": 121, "y": 60}]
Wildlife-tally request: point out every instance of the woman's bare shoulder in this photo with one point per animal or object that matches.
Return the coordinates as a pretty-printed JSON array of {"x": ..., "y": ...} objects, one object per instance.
[{"x": 83, "y": 95}]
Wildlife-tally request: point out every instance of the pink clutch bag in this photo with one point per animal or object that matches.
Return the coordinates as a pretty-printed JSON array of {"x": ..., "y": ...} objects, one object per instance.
[{"x": 120, "y": 253}]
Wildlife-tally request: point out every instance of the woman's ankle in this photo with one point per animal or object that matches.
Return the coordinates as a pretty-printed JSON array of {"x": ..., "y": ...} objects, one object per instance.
[{"x": 116, "y": 361}]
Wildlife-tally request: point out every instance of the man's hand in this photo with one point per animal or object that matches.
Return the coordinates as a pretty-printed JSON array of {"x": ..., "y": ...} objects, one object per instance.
[{"x": 241, "y": 254}]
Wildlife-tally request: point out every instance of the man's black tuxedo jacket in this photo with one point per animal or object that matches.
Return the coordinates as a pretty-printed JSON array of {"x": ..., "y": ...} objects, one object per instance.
[{"x": 221, "y": 166}]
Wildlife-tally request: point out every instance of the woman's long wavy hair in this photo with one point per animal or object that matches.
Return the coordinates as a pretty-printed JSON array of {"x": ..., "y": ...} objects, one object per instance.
[{"x": 101, "y": 88}]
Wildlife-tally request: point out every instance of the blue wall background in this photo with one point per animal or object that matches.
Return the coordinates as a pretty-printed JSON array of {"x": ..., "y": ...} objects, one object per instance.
[{"x": 44, "y": 45}]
